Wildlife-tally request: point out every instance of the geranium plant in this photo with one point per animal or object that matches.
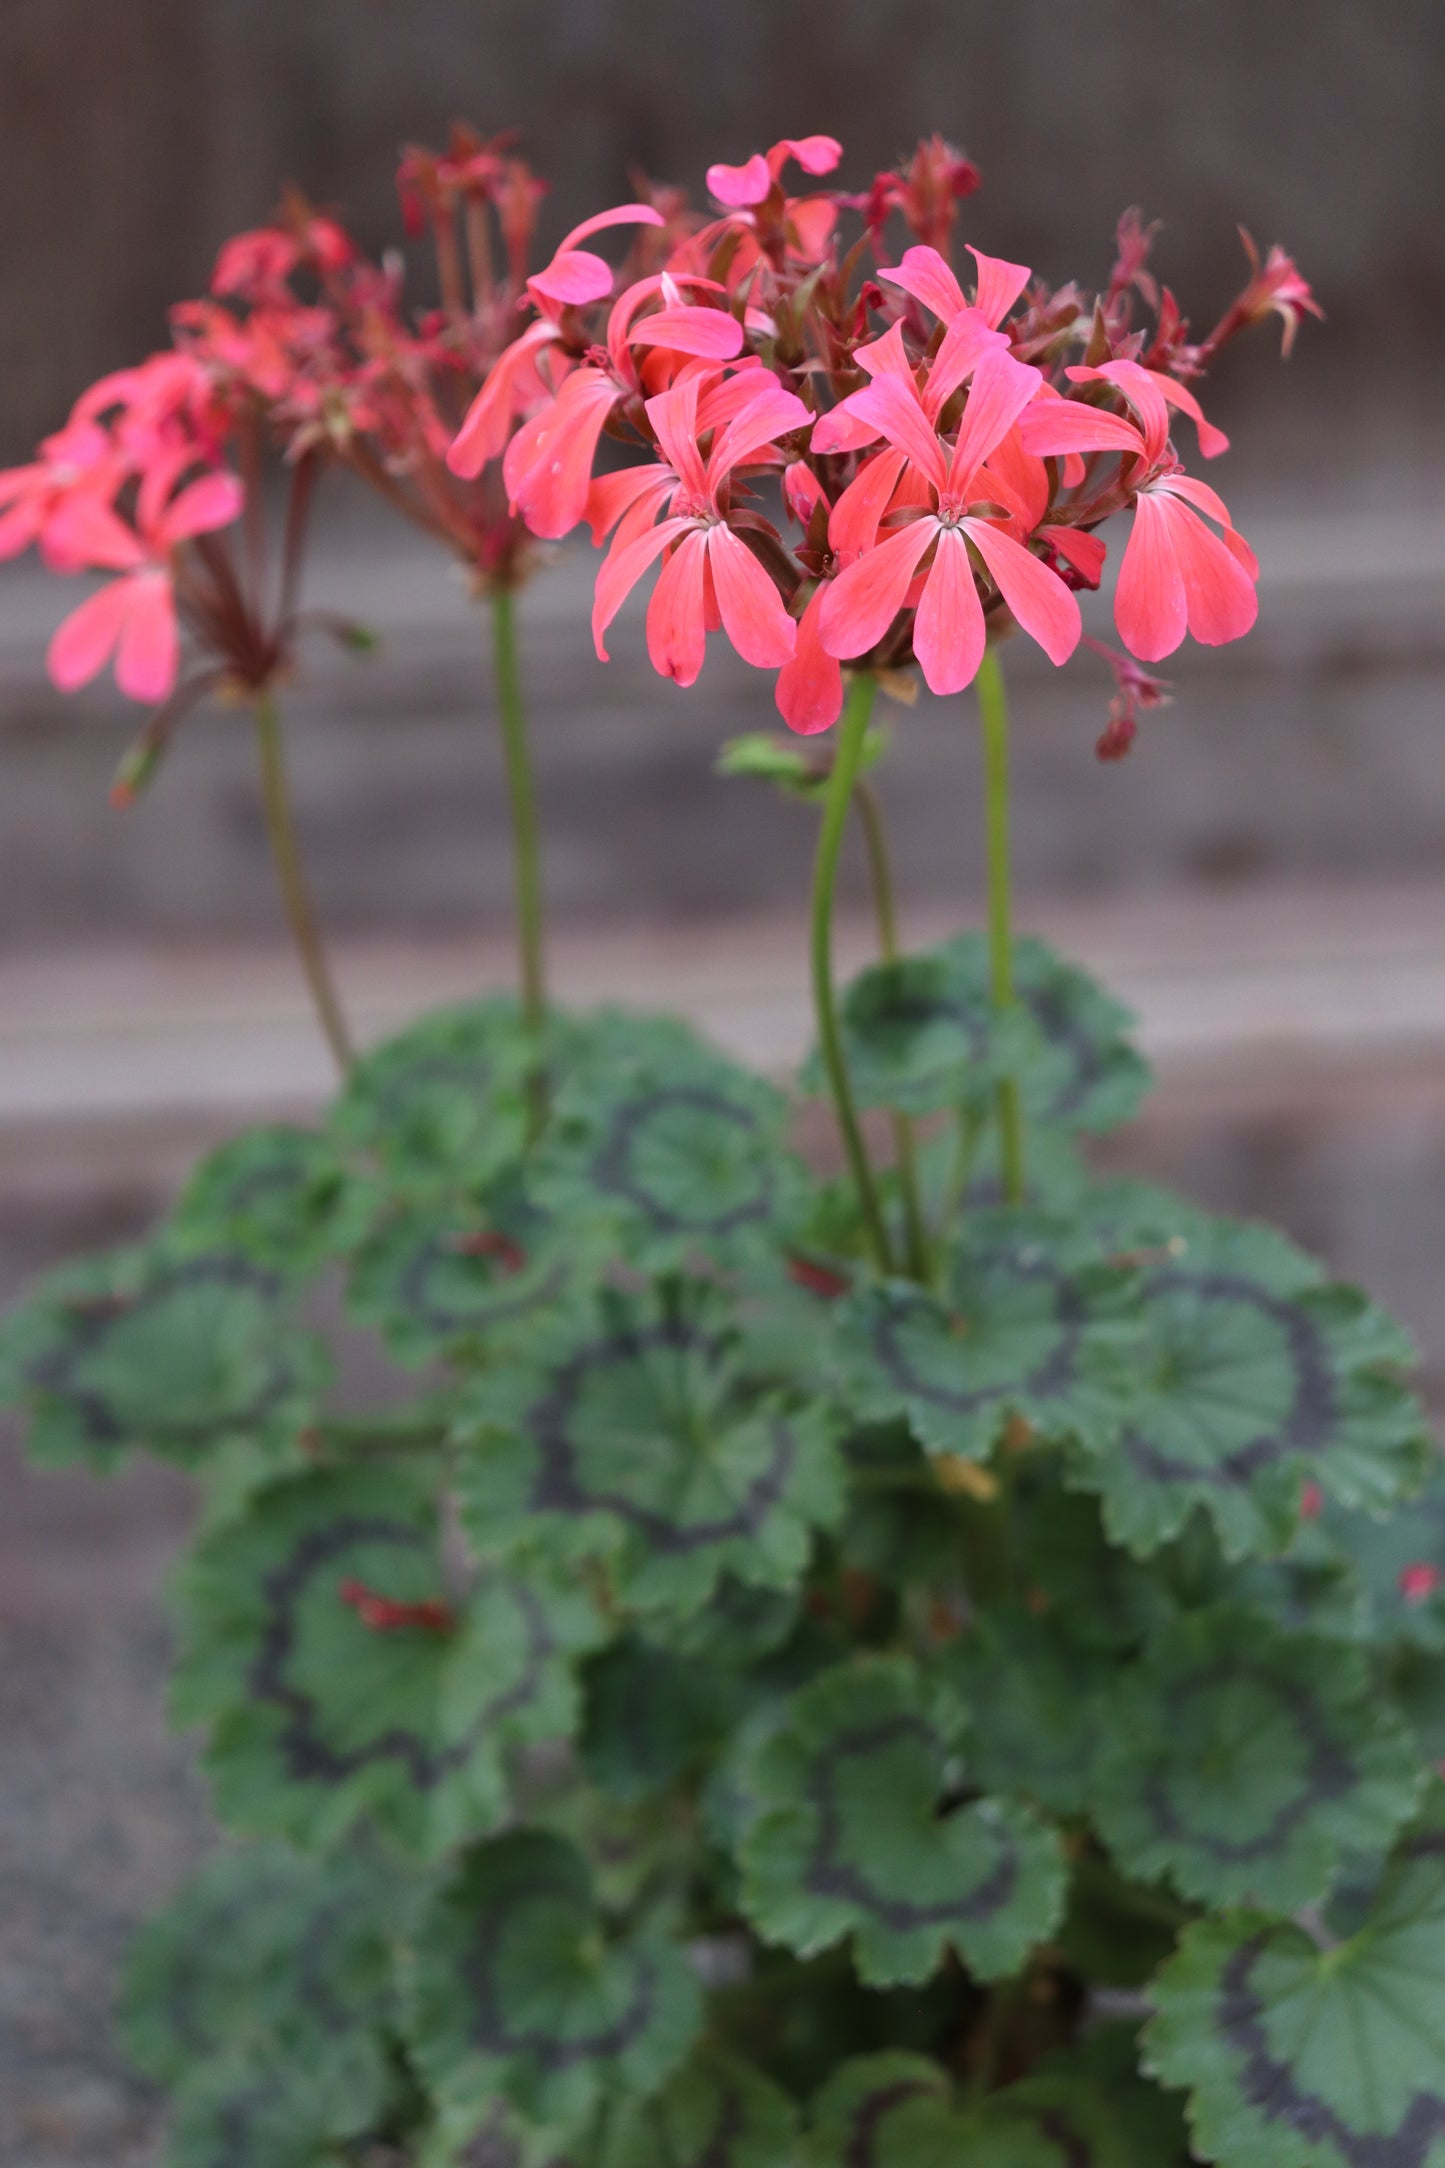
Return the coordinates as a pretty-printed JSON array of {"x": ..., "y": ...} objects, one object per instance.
[{"x": 943, "y": 1662}]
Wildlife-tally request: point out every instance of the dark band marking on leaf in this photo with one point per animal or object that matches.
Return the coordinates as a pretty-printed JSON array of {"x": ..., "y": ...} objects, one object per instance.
[
  {"x": 1050, "y": 1009},
  {"x": 1329, "y": 1775},
  {"x": 1054, "y": 2125},
  {"x": 1272, "y": 2089},
  {"x": 438, "y": 1249},
  {"x": 308, "y": 1755},
  {"x": 90, "y": 1325},
  {"x": 491, "y": 2029},
  {"x": 556, "y": 1488},
  {"x": 1051, "y": 1376},
  {"x": 832, "y": 1875},
  {"x": 873, "y": 2112},
  {"x": 613, "y": 1173},
  {"x": 1311, "y": 1415}
]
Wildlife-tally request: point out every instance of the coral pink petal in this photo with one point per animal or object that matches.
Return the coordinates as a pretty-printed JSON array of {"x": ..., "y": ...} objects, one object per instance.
[
  {"x": 623, "y": 567},
  {"x": 1016, "y": 480},
  {"x": 1141, "y": 387},
  {"x": 483, "y": 433},
  {"x": 149, "y": 654},
  {"x": 1212, "y": 441},
  {"x": 673, "y": 415},
  {"x": 810, "y": 687},
  {"x": 621, "y": 214},
  {"x": 573, "y": 276},
  {"x": 815, "y": 153},
  {"x": 87, "y": 532},
  {"x": 967, "y": 338},
  {"x": 999, "y": 285},
  {"x": 1001, "y": 389},
  {"x": 1205, "y": 499},
  {"x": 1219, "y": 595},
  {"x": 862, "y": 602},
  {"x": 677, "y": 613},
  {"x": 711, "y": 334},
  {"x": 893, "y": 406},
  {"x": 1085, "y": 552},
  {"x": 811, "y": 220},
  {"x": 613, "y": 494},
  {"x": 740, "y": 186},
  {"x": 751, "y": 607},
  {"x": 82, "y": 646},
  {"x": 802, "y": 491},
  {"x": 548, "y": 465},
  {"x": 841, "y": 430},
  {"x": 1149, "y": 604},
  {"x": 1052, "y": 428},
  {"x": 924, "y": 274},
  {"x": 948, "y": 629},
  {"x": 212, "y": 502},
  {"x": 773, "y": 413},
  {"x": 1038, "y": 598},
  {"x": 19, "y": 526},
  {"x": 854, "y": 521}
]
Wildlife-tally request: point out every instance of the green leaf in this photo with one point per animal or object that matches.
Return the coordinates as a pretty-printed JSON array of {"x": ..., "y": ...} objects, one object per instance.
[
  {"x": 516, "y": 1989},
  {"x": 444, "y": 1102},
  {"x": 1243, "y": 1763},
  {"x": 280, "y": 1196},
  {"x": 1396, "y": 1564},
  {"x": 718, "y": 2112},
  {"x": 1253, "y": 1373},
  {"x": 887, "y": 2111},
  {"x": 639, "y": 1433},
  {"x": 923, "y": 1033},
  {"x": 1036, "y": 1703},
  {"x": 672, "y": 1150},
  {"x": 186, "y": 1354},
  {"x": 501, "y": 2140},
  {"x": 458, "y": 1277},
  {"x": 319, "y": 1717},
  {"x": 264, "y": 1954},
  {"x": 1303, "y": 2056},
  {"x": 1029, "y": 1326},
  {"x": 852, "y": 1831},
  {"x": 653, "y": 1718},
  {"x": 253, "y": 2111}
]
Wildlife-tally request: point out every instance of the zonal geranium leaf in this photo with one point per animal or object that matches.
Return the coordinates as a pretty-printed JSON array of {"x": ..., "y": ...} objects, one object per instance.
[
  {"x": 923, "y": 1033},
  {"x": 517, "y": 1989},
  {"x": 1397, "y": 1565},
  {"x": 447, "y": 1279},
  {"x": 1035, "y": 1701},
  {"x": 886, "y": 2111},
  {"x": 653, "y": 1718},
  {"x": 1300, "y": 2052},
  {"x": 852, "y": 1831},
  {"x": 265, "y": 1954},
  {"x": 338, "y": 1677},
  {"x": 639, "y": 1432},
  {"x": 187, "y": 1354},
  {"x": 1029, "y": 1325},
  {"x": 443, "y": 1103},
  {"x": 1253, "y": 1374},
  {"x": 255, "y": 2110},
  {"x": 280, "y": 1196},
  {"x": 677, "y": 1156},
  {"x": 1243, "y": 1763},
  {"x": 718, "y": 2112}
]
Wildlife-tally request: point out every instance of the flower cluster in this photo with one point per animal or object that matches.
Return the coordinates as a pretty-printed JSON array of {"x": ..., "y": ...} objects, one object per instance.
[{"x": 944, "y": 458}]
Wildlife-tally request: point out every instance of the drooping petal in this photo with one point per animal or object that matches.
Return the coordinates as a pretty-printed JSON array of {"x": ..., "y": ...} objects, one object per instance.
[
  {"x": 862, "y": 602},
  {"x": 1149, "y": 604},
  {"x": 484, "y": 431},
  {"x": 82, "y": 645},
  {"x": 548, "y": 464},
  {"x": 710, "y": 334},
  {"x": 948, "y": 628},
  {"x": 573, "y": 277},
  {"x": 212, "y": 502},
  {"x": 1001, "y": 389},
  {"x": 1205, "y": 499},
  {"x": 677, "y": 613},
  {"x": 814, "y": 153},
  {"x": 999, "y": 285},
  {"x": 1038, "y": 598},
  {"x": 854, "y": 521},
  {"x": 621, "y": 214},
  {"x": 1085, "y": 552},
  {"x": 149, "y": 652},
  {"x": 894, "y": 406},
  {"x": 924, "y": 274},
  {"x": 810, "y": 687},
  {"x": 1212, "y": 441},
  {"x": 623, "y": 567},
  {"x": 752, "y": 611},
  {"x": 773, "y": 413},
  {"x": 1142, "y": 388},
  {"x": 1219, "y": 594}
]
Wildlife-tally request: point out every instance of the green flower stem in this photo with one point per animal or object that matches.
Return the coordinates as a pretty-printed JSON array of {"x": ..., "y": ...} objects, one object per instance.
[
  {"x": 993, "y": 715},
  {"x": 851, "y": 733},
  {"x": 286, "y": 852},
  {"x": 526, "y": 856},
  {"x": 905, "y": 1143}
]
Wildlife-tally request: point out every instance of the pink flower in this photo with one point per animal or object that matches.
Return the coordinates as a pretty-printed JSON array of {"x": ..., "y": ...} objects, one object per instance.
[
  {"x": 1419, "y": 1582},
  {"x": 575, "y": 274},
  {"x": 743, "y": 186},
  {"x": 1277, "y": 286},
  {"x": 35, "y": 498},
  {"x": 134, "y": 617},
  {"x": 948, "y": 632},
  {"x": 710, "y": 577}
]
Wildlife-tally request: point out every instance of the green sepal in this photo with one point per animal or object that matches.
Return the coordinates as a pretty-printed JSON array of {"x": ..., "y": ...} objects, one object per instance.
[
  {"x": 164, "y": 1348},
  {"x": 514, "y": 1987},
  {"x": 1029, "y": 1326},
  {"x": 850, "y": 1830},
  {"x": 444, "y": 1103},
  {"x": 281, "y": 1196},
  {"x": 638, "y": 1433},
  {"x": 264, "y": 1953},
  {"x": 797, "y": 770},
  {"x": 1304, "y": 2053},
  {"x": 1252, "y": 1373},
  {"x": 718, "y": 2112},
  {"x": 317, "y": 1717},
  {"x": 1243, "y": 1763}
]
